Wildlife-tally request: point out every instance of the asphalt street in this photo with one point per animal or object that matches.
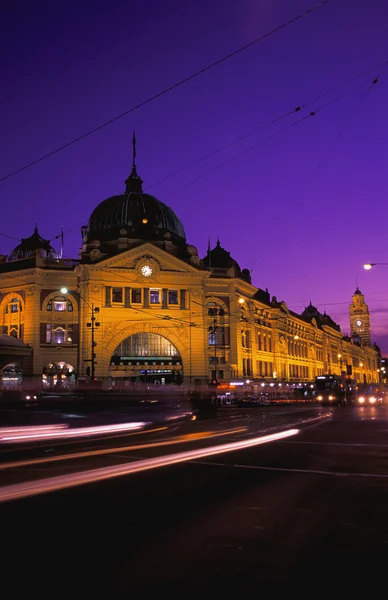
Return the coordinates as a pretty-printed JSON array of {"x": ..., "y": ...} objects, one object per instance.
[{"x": 305, "y": 515}]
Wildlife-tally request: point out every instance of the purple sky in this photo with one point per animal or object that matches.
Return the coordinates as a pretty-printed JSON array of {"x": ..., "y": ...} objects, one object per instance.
[{"x": 304, "y": 210}]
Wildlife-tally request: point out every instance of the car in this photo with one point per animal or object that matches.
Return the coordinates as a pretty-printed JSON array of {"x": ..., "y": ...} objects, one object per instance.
[
  {"x": 19, "y": 395},
  {"x": 369, "y": 395},
  {"x": 369, "y": 399}
]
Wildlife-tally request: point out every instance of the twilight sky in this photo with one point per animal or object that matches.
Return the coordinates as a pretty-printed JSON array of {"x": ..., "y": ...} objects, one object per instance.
[{"x": 303, "y": 210}]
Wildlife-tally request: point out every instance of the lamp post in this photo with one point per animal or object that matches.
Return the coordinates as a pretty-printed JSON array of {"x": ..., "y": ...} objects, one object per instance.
[
  {"x": 93, "y": 323},
  {"x": 368, "y": 267},
  {"x": 339, "y": 356}
]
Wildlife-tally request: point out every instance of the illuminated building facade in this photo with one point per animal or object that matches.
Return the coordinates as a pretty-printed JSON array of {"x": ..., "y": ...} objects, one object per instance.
[
  {"x": 140, "y": 305},
  {"x": 360, "y": 318}
]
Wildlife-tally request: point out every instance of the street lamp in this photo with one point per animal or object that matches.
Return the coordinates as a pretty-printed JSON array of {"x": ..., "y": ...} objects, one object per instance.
[
  {"x": 339, "y": 356},
  {"x": 93, "y": 323},
  {"x": 369, "y": 266}
]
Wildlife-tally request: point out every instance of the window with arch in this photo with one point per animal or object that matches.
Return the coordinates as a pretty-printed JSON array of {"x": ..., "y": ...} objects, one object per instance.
[
  {"x": 60, "y": 334},
  {"x": 13, "y": 306},
  {"x": 214, "y": 309},
  {"x": 59, "y": 304}
]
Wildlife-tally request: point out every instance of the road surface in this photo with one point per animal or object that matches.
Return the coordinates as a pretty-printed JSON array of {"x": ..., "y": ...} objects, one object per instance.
[{"x": 304, "y": 515}]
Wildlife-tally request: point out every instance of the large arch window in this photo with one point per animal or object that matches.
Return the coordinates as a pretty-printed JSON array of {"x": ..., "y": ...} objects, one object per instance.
[
  {"x": 145, "y": 344},
  {"x": 59, "y": 304}
]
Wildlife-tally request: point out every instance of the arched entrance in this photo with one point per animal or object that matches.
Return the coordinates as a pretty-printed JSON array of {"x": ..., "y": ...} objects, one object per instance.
[
  {"x": 12, "y": 376},
  {"x": 146, "y": 358},
  {"x": 59, "y": 375}
]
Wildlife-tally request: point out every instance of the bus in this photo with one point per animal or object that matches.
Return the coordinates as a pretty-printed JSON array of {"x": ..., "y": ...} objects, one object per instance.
[{"x": 334, "y": 390}]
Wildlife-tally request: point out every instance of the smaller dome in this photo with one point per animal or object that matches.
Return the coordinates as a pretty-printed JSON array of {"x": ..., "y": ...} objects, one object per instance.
[
  {"x": 311, "y": 311},
  {"x": 219, "y": 258},
  {"x": 32, "y": 246}
]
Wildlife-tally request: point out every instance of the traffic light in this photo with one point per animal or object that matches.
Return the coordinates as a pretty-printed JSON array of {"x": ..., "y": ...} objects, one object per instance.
[
  {"x": 88, "y": 371},
  {"x": 215, "y": 382}
]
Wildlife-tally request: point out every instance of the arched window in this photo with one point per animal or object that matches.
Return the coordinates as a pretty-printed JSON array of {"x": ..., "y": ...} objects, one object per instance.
[
  {"x": 59, "y": 335},
  {"x": 13, "y": 306},
  {"x": 60, "y": 304},
  {"x": 214, "y": 309}
]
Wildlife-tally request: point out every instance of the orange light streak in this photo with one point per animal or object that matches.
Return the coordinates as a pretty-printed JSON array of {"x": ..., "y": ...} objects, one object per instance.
[
  {"x": 190, "y": 437},
  {"x": 33, "y": 488}
]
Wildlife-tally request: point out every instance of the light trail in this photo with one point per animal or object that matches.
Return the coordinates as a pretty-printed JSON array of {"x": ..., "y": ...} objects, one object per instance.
[
  {"x": 191, "y": 437},
  {"x": 50, "y": 432},
  {"x": 50, "y": 484}
]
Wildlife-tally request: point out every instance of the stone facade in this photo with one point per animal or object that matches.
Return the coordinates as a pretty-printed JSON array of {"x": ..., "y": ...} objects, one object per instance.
[{"x": 141, "y": 305}]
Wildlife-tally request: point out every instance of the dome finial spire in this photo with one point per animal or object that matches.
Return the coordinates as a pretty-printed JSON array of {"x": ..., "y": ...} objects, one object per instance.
[
  {"x": 134, "y": 184},
  {"x": 134, "y": 150}
]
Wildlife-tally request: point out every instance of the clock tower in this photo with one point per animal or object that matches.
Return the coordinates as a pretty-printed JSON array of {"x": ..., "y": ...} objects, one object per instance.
[{"x": 360, "y": 318}]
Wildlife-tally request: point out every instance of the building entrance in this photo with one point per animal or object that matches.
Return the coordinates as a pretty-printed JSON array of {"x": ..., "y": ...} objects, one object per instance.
[{"x": 146, "y": 358}]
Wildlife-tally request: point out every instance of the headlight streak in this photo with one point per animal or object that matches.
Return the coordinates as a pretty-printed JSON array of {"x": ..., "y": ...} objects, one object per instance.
[
  {"x": 32, "y": 488},
  {"x": 192, "y": 437},
  {"x": 33, "y": 434}
]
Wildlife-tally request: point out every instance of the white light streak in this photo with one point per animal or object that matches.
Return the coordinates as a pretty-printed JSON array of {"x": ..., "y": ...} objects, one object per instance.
[
  {"x": 50, "y": 432},
  {"x": 50, "y": 484}
]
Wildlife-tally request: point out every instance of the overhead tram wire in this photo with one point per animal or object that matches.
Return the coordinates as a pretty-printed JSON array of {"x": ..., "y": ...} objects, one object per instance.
[
  {"x": 267, "y": 139},
  {"x": 10, "y": 237},
  {"x": 273, "y": 122},
  {"x": 370, "y": 87},
  {"x": 150, "y": 312},
  {"x": 169, "y": 89},
  {"x": 255, "y": 130},
  {"x": 375, "y": 80}
]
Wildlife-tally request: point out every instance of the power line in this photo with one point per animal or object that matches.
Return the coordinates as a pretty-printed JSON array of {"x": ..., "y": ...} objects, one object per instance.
[
  {"x": 372, "y": 84},
  {"x": 375, "y": 80},
  {"x": 267, "y": 139},
  {"x": 10, "y": 237},
  {"x": 170, "y": 88},
  {"x": 256, "y": 130},
  {"x": 272, "y": 122}
]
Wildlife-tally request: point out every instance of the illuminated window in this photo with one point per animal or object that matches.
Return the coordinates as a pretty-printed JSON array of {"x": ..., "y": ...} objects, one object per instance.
[
  {"x": 59, "y": 335},
  {"x": 154, "y": 296},
  {"x": 59, "y": 304},
  {"x": 13, "y": 306},
  {"x": 173, "y": 296}
]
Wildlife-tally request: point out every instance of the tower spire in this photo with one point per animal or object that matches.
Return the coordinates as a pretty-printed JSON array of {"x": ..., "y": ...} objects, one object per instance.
[
  {"x": 134, "y": 184},
  {"x": 134, "y": 150}
]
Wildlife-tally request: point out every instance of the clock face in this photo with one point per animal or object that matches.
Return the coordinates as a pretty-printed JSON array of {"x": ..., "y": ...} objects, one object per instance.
[
  {"x": 146, "y": 270},
  {"x": 358, "y": 322}
]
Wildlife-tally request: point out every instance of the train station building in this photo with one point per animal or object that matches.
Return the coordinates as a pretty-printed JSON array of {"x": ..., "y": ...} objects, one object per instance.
[{"x": 140, "y": 306}]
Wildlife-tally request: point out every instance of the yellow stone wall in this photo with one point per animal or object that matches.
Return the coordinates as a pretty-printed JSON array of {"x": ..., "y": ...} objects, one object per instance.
[{"x": 263, "y": 338}]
